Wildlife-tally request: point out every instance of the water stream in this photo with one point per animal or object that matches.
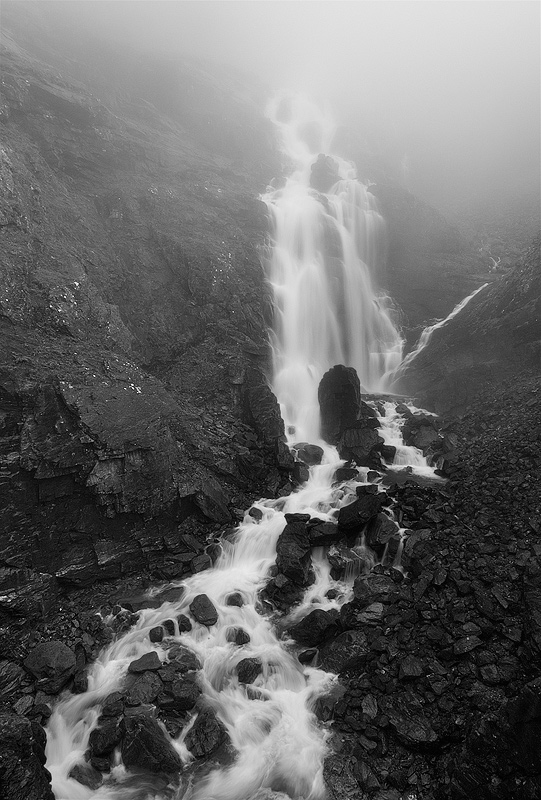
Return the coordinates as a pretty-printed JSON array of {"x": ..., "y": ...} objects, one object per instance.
[{"x": 323, "y": 269}]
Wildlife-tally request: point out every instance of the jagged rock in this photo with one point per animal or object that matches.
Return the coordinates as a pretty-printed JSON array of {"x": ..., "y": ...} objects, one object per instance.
[
  {"x": 316, "y": 627},
  {"x": 374, "y": 588},
  {"x": 149, "y": 661},
  {"x": 237, "y": 636},
  {"x": 113, "y": 705},
  {"x": 406, "y": 715},
  {"x": 12, "y": 678},
  {"x": 293, "y": 553},
  {"x": 181, "y": 695},
  {"x": 339, "y": 396},
  {"x": 145, "y": 746},
  {"x": 358, "y": 443},
  {"x": 22, "y": 756},
  {"x": 323, "y": 533},
  {"x": 87, "y": 775},
  {"x": 379, "y": 531},
  {"x": 347, "y": 562},
  {"x": 309, "y": 454},
  {"x": 105, "y": 738},
  {"x": 203, "y": 610},
  {"x": 181, "y": 659},
  {"x": 144, "y": 690},
  {"x": 52, "y": 663},
  {"x": 248, "y": 669},
  {"x": 348, "y": 651},
  {"x": 206, "y": 735},
  {"x": 353, "y": 518}
]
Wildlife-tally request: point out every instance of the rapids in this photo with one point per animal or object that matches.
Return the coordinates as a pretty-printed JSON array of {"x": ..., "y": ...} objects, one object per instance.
[{"x": 322, "y": 265}]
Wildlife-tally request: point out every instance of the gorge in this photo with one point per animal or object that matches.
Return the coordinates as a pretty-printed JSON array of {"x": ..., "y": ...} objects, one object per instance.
[{"x": 369, "y": 630}]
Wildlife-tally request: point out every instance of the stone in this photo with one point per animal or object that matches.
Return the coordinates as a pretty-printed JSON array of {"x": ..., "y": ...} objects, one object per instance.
[
  {"x": 22, "y": 756},
  {"x": 248, "y": 669},
  {"x": 293, "y": 553},
  {"x": 324, "y": 533},
  {"x": 353, "y": 517},
  {"x": 339, "y": 396},
  {"x": 104, "y": 738},
  {"x": 87, "y": 775},
  {"x": 406, "y": 716},
  {"x": 181, "y": 695},
  {"x": 183, "y": 623},
  {"x": 237, "y": 636},
  {"x": 149, "y": 661},
  {"x": 411, "y": 667},
  {"x": 349, "y": 651},
  {"x": 203, "y": 610},
  {"x": 316, "y": 627},
  {"x": 169, "y": 627},
  {"x": 156, "y": 634},
  {"x": 182, "y": 659},
  {"x": 144, "y": 690},
  {"x": 324, "y": 173},
  {"x": 206, "y": 735},
  {"x": 309, "y": 454},
  {"x": 145, "y": 746},
  {"x": 113, "y": 705},
  {"x": 234, "y": 599},
  {"x": 53, "y": 664},
  {"x": 372, "y": 588}
]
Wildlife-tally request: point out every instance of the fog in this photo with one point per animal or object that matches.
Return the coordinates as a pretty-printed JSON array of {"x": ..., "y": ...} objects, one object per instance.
[{"x": 449, "y": 90}]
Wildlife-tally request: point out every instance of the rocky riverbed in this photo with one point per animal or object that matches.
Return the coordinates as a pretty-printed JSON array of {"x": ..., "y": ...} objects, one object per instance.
[{"x": 439, "y": 693}]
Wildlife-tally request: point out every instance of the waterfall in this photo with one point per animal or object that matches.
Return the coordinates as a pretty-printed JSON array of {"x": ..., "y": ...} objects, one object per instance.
[
  {"x": 327, "y": 249},
  {"x": 323, "y": 264}
]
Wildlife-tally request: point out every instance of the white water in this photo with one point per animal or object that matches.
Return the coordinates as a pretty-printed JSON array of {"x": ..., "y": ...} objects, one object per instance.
[{"x": 322, "y": 267}]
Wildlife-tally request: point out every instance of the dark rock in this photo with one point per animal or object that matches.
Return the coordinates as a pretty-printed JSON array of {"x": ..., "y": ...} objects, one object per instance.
[
  {"x": 181, "y": 695},
  {"x": 373, "y": 588},
  {"x": 248, "y": 669},
  {"x": 53, "y": 664},
  {"x": 202, "y": 562},
  {"x": 411, "y": 667},
  {"x": 388, "y": 452},
  {"x": 22, "y": 774},
  {"x": 306, "y": 656},
  {"x": 184, "y": 623},
  {"x": 353, "y": 518},
  {"x": 139, "y": 602},
  {"x": 237, "y": 636},
  {"x": 316, "y": 627},
  {"x": 156, "y": 634},
  {"x": 144, "y": 746},
  {"x": 182, "y": 659},
  {"x": 234, "y": 599},
  {"x": 309, "y": 454},
  {"x": 349, "y": 651},
  {"x": 406, "y": 715},
  {"x": 87, "y": 775},
  {"x": 206, "y": 735},
  {"x": 346, "y": 474},
  {"x": 203, "y": 610},
  {"x": 144, "y": 690},
  {"x": 293, "y": 553},
  {"x": 358, "y": 443},
  {"x": 169, "y": 627},
  {"x": 12, "y": 678},
  {"x": 300, "y": 473},
  {"x": 113, "y": 705},
  {"x": 379, "y": 531},
  {"x": 149, "y": 661},
  {"x": 104, "y": 738},
  {"x": 339, "y": 396},
  {"x": 324, "y": 533}
]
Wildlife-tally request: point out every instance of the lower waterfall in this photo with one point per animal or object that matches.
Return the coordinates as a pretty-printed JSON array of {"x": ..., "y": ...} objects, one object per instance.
[{"x": 322, "y": 266}]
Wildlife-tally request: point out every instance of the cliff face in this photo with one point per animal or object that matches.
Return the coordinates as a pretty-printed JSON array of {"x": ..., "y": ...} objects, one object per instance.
[
  {"x": 496, "y": 335},
  {"x": 131, "y": 315}
]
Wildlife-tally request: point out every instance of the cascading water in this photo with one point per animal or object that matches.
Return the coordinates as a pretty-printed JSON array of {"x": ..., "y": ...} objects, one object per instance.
[
  {"x": 326, "y": 251},
  {"x": 321, "y": 267}
]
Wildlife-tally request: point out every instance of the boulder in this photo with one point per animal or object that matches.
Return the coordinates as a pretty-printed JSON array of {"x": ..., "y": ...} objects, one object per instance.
[
  {"x": 180, "y": 695},
  {"x": 248, "y": 669},
  {"x": 309, "y": 454},
  {"x": 237, "y": 636},
  {"x": 156, "y": 634},
  {"x": 406, "y": 715},
  {"x": 206, "y": 735},
  {"x": 234, "y": 599},
  {"x": 184, "y": 623},
  {"x": 149, "y": 661},
  {"x": 339, "y": 396},
  {"x": 87, "y": 775},
  {"x": 316, "y": 627},
  {"x": 323, "y": 533},
  {"x": 145, "y": 745},
  {"x": 348, "y": 651},
  {"x": 203, "y": 610},
  {"x": 144, "y": 690},
  {"x": 379, "y": 531},
  {"x": 53, "y": 664},
  {"x": 357, "y": 444},
  {"x": 324, "y": 173},
  {"x": 353, "y": 518},
  {"x": 105, "y": 738},
  {"x": 22, "y": 756},
  {"x": 293, "y": 553}
]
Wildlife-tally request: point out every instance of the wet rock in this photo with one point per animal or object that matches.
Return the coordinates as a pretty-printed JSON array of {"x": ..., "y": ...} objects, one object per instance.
[
  {"x": 169, "y": 627},
  {"x": 324, "y": 533},
  {"x": 139, "y": 602},
  {"x": 324, "y": 173},
  {"x": 22, "y": 774},
  {"x": 206, "y": 735},
  {"x": 380, "y": 530},
  {"x": 411, "y": 667},
  {"x": 316, "y": 627},
  {"x": 357, "y": 443},
  {"x": 184, "y": 623},
  {"x": 300, "y": 473},
  {"x": 406, "y": 716},
  {"x": 234, "y": 599},
  {"x": 293, "y": 550},
  {"x": 248, "y": 669},
  {"x": 149, "y": 661},
  {"x": 352, "y": 518},
  {"x": 203, "y": 610},
  {"x": 156, "y": 634},
  {"x": 237, "y": 636},
  {"x": 12, "y": 679},
  {"x": 180, "y": 695},
  {"x": 309, "y": 454},
  {"x": 113, "y": 705},
  {"x": 87, "y": 775},
  {"x": 144, "y": 690},
  {"x": 345, "y": 474},
  {"x": 182, "y": 659},
  {"x": 349, "y": 651},
  {"x": 339, "y": 396},
  {"x": 105, "y": 738},
  {"x": 347, "y": 562},
  {"x": 145, "y": 746},
  {"x": 53, "y": 664},
  {"x": 373, "y": 588}
]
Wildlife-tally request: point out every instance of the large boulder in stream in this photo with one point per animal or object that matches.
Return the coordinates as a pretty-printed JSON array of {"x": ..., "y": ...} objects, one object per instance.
[
  {"x": 293, "y": 552},
  {"x": 316, "y": 627},
  {"x": 145, "y": 745},
  {"x": 53, "y": 664},
  {"x": 339, "y": 396},
  {"x": 22, "y": 756}
]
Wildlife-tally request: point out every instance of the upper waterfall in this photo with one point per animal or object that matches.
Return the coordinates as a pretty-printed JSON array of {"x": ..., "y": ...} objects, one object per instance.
[{"x": 326, "y": 251}]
